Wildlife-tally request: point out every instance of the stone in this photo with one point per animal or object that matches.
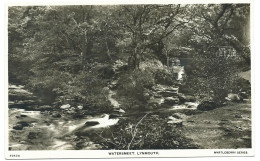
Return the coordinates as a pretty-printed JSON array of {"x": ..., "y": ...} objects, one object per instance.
[
  {"x": 21, "y": 116},
  {"x": 24, "y": 124},
  {"x": 44, "y": 107},
  {"x": 118, "y": 110},
  {"x": 56, "y": 115},
  {"x": 156, "y": 101},
  {"x": 191, "y": 104},
  {"x": 113, "y": 116},
  {"x": 179, "y": 116},
  {"x": 238, "y": 116},
  {"x": 182, "y": 99},
  {"x": 175, "y": 121},
  {"x": 91, "y": 123},
  {"x": 78, "y": 115},
  {"x": 171, "y": 101},
  {"x": 65, "y": 106},
  {"x": 80, "y": 107},
  {"x": 233, "y": 97},
  {"x": 189, "y": 98},
  {"x": 206, "y": 106},
  {"x": 32, "y": 135},
  {"x": 18, "y": 127},
  {"x": 168, "y": 93},
  {"x": 243, "y": 95}
]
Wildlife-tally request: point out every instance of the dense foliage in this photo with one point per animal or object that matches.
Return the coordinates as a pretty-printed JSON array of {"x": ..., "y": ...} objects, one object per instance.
[{"x": 67, "y": 52}]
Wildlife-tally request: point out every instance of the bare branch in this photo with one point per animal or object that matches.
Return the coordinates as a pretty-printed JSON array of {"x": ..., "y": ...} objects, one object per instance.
[{"x": 135, "y": 131}]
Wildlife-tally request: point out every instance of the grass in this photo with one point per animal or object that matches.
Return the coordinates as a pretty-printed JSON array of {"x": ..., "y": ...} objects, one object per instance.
[{"x": 228, "y": 127}]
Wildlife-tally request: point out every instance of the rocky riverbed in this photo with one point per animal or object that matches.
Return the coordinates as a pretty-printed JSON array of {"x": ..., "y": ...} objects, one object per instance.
[{"x": 35, "y": 126}]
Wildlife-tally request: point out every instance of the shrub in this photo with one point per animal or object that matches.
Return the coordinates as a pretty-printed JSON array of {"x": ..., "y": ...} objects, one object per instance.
[
  {"x": 165, "y": 77},
  {"x": 151, "y": 132},
  {"x": 132, "y": 84}
]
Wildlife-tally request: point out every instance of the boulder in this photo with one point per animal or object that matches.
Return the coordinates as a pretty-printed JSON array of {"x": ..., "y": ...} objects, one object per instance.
[
  {"x": 157, "y": 101},
  {"x": 113, "y": 116},
  {"x": 91, "y": 123},
  {"x": 32, "y": 135},
  {"x": 187, "y": 98},
  {"x": 206, "y": 106},
  {"x": 56, "y": 115},
  {"x": 118, "y": 111},
  {"x": 24, "y": 124},
  {"x": 44, "y": 107},
  {"x": 243, "y": 95},
  {"x": 174, "y": 121},
  {"x": 182, "y": 98},
  {"x": 171, "y": 100},
  {"x": 234, "y": 97},
  {"x": 191, "y": 104},
  {"x": 152, "y": 105},
  {"x": 80, "y": 107},
  {"x": 65, "y": 106},
  {"x": 179, "y": 116},
  {"x": 21, "y": 116},
  {"x": 167, "y": 93},
  {"x": 18, "y": 127},
  {"x": 78, "y": 115}
]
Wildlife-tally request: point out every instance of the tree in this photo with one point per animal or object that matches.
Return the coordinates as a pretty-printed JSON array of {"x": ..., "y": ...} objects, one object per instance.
[
  {"x": 214, "y": 30},
  {"x": 145, "y": 27}
]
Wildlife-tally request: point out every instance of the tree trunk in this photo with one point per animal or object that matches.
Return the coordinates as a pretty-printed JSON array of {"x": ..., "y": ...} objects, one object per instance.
[{"x": 108, "y": 52}]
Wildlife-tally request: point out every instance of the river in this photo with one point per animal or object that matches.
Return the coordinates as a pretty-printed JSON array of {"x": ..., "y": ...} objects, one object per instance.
[{"x": 58, "y": 129}]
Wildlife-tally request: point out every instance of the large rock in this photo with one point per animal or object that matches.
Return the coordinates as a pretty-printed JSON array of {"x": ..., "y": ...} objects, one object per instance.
[
  {"x": 80, "y": 107},
  {"x": 113, "y": 116},
  {"x": 167, "y": 93},
  {"x": 179, "y": 116},
  {"x": 171, "y": 100},
  {"x": 243, "y": 95},
  {"x": 32, "y": 135},
  {"x": 206, "y": 106},
  {"x": 56, "y": 115},
  {"x": 191, "y": 104},
  {"x": 118, "y": 111},
  {"x": 157, "y": 101},
  {"x": 187, "y": 98},
  {"x": 18, "y": 127},
  {"x": 234, "y": 97},
  {"x": 44, "y": 107},
  {"x": 24, "y": 124},
  {"x": 175, "y": 121},
  {"x": 65, "y": 106},
  {"x": 91, "y": 123},
  {"x": 22, "y": 115}
]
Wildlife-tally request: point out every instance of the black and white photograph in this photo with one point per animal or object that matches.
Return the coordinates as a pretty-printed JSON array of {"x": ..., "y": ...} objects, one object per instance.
[{"x": 129, "y": 80}]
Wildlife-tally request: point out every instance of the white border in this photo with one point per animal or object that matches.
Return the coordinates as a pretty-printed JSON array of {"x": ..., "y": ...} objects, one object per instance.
[
  {"x": 104, "y": 154},
  {"x": 112, "y": 2}
]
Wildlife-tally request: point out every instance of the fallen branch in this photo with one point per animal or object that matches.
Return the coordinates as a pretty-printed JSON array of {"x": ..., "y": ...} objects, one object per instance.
[{"x": 135, "y": 131}]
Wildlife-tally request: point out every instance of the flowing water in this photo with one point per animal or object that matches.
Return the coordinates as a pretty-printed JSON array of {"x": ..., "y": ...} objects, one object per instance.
[
  {"x": 57, "y": 129},
  {"x": 42, "y": 131}
]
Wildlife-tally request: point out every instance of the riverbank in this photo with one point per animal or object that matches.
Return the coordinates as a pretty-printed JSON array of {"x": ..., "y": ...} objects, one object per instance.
[{"x": 227, "y": 127}]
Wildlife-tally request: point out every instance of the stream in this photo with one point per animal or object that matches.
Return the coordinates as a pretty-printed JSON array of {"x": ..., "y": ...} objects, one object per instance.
[
  {"x": 50, "y": 130},
  {"x": 57, "y": 129}
]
